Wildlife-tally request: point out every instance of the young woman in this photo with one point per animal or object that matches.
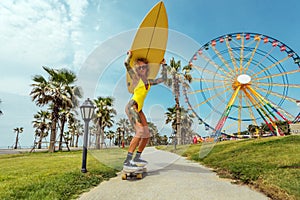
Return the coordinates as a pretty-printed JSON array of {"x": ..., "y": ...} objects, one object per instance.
[{"x": 141, "y": 85}]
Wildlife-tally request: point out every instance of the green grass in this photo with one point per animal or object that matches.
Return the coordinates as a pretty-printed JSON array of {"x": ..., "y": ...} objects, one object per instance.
[
  {"x": 49, "y": 175},
  {"x": 271, "y": 165}
]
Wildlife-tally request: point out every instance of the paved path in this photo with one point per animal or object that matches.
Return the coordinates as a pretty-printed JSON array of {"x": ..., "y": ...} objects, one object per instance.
[
  {"x": 8, "y": 151},
  {"x": 172, "y": 177},
  {"x": 28, "y": 150}
]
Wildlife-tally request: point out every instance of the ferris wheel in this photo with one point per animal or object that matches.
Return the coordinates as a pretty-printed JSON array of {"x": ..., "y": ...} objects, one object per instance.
[{"x": 243, "y": 79}]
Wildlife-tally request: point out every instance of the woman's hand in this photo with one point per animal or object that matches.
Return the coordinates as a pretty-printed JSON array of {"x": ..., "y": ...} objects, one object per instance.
[
  {"x": 129, "y": 53},
  {"x": 127, "y": 59}
]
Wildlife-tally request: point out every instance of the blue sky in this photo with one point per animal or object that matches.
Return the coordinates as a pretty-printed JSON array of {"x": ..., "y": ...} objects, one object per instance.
[{"x": 73, "y": 34}]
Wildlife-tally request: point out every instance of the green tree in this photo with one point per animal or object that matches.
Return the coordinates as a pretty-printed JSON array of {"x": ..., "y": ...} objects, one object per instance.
[
  {"x": 264, "y": 127},
  {"x": 164, "y": 140},
  {"x": 118, "y": 139},
  {"x": 171, "y": 117},
  {"x": 75, "y": 130},
  {"x": 110, "y": 135},
  {"x": 18, "y": 131},
  {"x": 58, "y": 92},
  {"x": 71, "y": 94},
  {"x": 41, "y": 123},
  {"x": 174, "y": 82},
  {"x": 104, "y": 117},
  {"x": 186, "y": 126},
  {"x": 283, "y": 126},
  {"x": 125, "y": 128},
  {"x": 252, "y": 129},
  {"x": 155, "y": 138},
  {"x": 177, "y": 80},
  {"x": 186, "y": 122}
]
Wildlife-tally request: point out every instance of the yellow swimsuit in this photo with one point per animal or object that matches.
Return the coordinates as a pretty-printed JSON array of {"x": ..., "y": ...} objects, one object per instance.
[{"x": 139, "y": 94}]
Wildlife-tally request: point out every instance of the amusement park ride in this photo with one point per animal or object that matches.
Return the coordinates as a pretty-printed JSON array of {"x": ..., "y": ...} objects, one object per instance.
[{"x": 243, "y": 79}]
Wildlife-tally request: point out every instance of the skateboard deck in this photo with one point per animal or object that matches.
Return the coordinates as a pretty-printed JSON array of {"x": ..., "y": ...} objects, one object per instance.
[{"x": 138, "y": 174}]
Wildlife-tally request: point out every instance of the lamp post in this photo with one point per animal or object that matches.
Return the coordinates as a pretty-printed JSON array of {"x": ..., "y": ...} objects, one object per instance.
[{"x": 87, "y": 111}]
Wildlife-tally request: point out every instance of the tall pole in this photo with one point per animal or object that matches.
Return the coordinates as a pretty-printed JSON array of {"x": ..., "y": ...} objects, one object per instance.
[
  {"x": 85, "y": 140},
  {"x": 87, "y": 112}
]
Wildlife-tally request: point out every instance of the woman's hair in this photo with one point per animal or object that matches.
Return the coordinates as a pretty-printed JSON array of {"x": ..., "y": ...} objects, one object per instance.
[{"x": 144, "y": 60}]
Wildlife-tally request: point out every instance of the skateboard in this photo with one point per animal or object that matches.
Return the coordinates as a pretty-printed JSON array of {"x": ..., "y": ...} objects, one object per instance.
[{"x": 138, "y": 174}]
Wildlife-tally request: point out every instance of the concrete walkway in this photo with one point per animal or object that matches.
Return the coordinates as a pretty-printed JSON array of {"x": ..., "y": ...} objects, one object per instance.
[{"x": 172, "y": 177}]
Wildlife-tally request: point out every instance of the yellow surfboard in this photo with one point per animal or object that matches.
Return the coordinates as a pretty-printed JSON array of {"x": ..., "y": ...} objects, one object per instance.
[{"x": 150, "y": 41}]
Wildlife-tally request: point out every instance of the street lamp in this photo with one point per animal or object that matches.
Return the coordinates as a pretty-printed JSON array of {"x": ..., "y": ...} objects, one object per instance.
[{"x": 87, "y": 111}]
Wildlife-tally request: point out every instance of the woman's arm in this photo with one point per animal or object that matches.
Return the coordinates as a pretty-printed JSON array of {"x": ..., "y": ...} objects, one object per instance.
[
  {"x": 128, "y": 67},
  {"x": 163, "y": 78}
]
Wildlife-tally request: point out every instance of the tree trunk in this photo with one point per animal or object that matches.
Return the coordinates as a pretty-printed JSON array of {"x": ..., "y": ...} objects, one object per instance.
[
  {"x": 53, "y": 129},
  {"x": 63, "y": 121},
  {"x": 66, "y": 142},
  {"x": 40, "y": 141},
  {"x": 17, "y": 140},
  {"x": 123, "y": 137},
  {"x": 98, "y": 135},
  {"x": 178, "y": 128},
  {"x": 71, "y": 142},
  {"x": 90, "y": 139},
  {"x": 76, "y": 143},
  {"x": 177, "y": 95},
  {"x": 102, "y": 138}
]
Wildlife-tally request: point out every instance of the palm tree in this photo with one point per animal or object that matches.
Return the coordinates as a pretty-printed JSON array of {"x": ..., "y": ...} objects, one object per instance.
[
  {"x": 57, "y": 92},
  {"x": 92, "y": 135},
  {"x": 18, "y": 131},
  {"x": 178, "y": 79},
  {"x": 110, "y": 135},
  {"x": 104, "y": 117},
  {"x": 171, "y": 117},
  {"x": 186, "y": 120},
  {"x": 75, "y": 130},
  {"x": 70, "y": 95},
  {"x": 46, "y": 92},
  {"x": 265, "y": 128},
  {"x": 125, "y": 128},
  {"x": 118, "y": 136},
  {"x": 252, "y": 129},
  {"x": 154, "y": 140},
  {"x": 42, "y": 125},
  {"x": 186, "y": 126},
  {"x": 283, "y": 126},
  {"x": 174, "y": 69}
]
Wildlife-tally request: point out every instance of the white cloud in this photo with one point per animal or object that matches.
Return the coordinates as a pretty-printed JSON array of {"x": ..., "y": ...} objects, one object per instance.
[
  {"x": 40, "y": 33},
  {"x": 79, "y": 58},
  {"x": 32, "y": 32}
]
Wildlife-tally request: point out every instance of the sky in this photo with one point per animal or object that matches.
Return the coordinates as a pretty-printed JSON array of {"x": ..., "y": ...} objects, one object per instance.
[{"x": 91, "y": 37}]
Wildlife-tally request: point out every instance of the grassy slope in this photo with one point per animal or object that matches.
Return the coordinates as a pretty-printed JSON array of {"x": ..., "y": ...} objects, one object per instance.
[
  {"x": 48, "y": 176},
  {"x": 271, "y": 164}
]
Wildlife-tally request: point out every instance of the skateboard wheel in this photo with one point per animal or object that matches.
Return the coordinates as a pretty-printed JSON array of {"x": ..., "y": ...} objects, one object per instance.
[
  {"x": 139, "y": 176},
  {"x": 124, "y": 176}
]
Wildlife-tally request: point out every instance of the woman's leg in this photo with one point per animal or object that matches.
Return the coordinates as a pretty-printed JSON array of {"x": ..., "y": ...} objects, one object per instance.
[
  {"x": 143, "y": 142},
  {"x": 133, "y": 144},
  {"x": 134, "y": 118},
  {"x": 146, "y": 134}
]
